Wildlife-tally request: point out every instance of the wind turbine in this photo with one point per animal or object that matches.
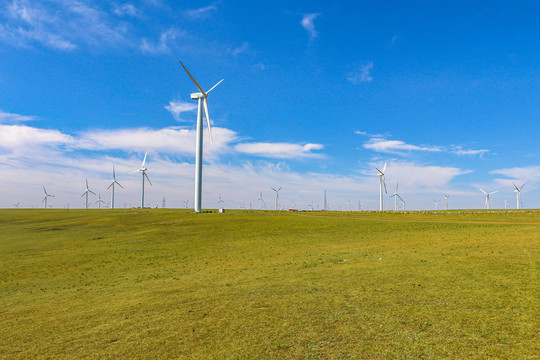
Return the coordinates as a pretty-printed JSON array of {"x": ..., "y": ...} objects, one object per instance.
[
  {"x": 518, "y": 191},
  {"x": 142, "y": 169},
  {"x": 381, "y": 183},
  {"x": 487, "y": 196},
  {"x": 277, "y": 195},
  {"x": 293, "y": 204},
  {"x": 201, "y": 97},
  {"x": 396, "y": 196},
  {"x": 113, "y": 182},
  {"x": 348, "y": 205},
  {"x": 99, "y": 201},
  {"x": 446, "y": 196},
  {"x": 260, "y": 199},
  {"x": 46, "y": 196},
  {"x": 505, "y": 204},
  {"x": 436, "y": 204},
  {"x": 311, "y": 206},
  {"x": 16, "y": 205},
  {"x": 220, "y": 202},
  {"x": 186, "y": 203},
  {"x": 86, "y": 191}
]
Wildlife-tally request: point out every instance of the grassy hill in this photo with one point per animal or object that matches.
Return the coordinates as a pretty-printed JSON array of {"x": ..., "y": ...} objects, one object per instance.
[{"x": 269, "y": 285}]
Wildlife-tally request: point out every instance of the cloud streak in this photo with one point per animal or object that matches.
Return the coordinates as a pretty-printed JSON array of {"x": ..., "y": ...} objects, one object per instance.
[{"x": 308, "y": 24}]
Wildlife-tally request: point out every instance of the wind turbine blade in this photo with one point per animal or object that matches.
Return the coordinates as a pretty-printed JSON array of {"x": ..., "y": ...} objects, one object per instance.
[
  {"x": 493, "y": 192},
  {"x": 384, "y": 168},
  {"x": 144, "y": 160},
  {"x": 111, "y": 184},
  {"x": 192, "y": 79},
  {"x": 131, "y": 172},
  {"x": 118, "y": 184},
  {"x": 522, "y": 186},
  {"x": 482, "y": 190},
  {"x": 44, "y": 190},
  {"x": 515, "y": 187},
  {"x": 147, "y": 178},
  {"x": 113, "y": 173},
  {"x": 208, "y": 92},
  {"x": 43, "y": 199},
  {"x": 207, "y": 112},
  {"x": 84, "y": 193},
  {"x": 90, "y": 191},
  {"x": 87, "y": 183},
  {"x": 384, "y": 183},
  {"x": 380, "y": 172}
]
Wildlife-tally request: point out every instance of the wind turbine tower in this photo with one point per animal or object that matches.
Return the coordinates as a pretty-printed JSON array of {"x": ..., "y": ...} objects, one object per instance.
[
  {"x": 436, "y": 204},
  {"x": 518, "y": 191},
  {"x": 260, "y": 199},
  {"x": 142, "y": 169},
  {"x": 112, "y": 184},
  {"x": 382, "y": 183},
  {"x": 325, "y": 202},
  {"x": 85, "y": 193},
  {"x": 277, "y": 196},
  {"x": 99, "y": 201},
  {"x": 47, "y": 195},
  {"x": 201, "y": 97},
  {"x": 487, "y": 196},
  {"x": 446, "y": 200}
]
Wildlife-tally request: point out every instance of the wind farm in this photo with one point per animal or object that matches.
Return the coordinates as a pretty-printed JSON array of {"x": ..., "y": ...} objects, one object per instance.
[{"x": 270, "y": 229}]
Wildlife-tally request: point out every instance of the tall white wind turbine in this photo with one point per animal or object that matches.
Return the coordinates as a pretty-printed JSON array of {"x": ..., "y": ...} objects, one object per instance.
[
  {"x": 201, "y": 97},
  {"x": 85, "y": 193},
  {"x": 112, "y": 184},
  {"x": 47, "y": 195},
  {"x": 382, "y": 183},
  {"x": 518, "y": 191},
  {"x": 220, "y": 202},
  {"x": 487, "y": 196},
  {"x": 446, "y": 196},
  {"x": 277, "y": 196},
  {"x": 142, "y": 169}
]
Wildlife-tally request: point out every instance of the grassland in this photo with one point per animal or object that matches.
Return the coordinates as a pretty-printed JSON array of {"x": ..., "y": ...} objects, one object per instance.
[{"x": 268, "y": 285}]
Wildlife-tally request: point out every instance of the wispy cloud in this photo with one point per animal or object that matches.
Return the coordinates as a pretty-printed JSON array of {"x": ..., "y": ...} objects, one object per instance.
[
  {"x": 14, "y": 118},
  {"x": 61, "y": 25},
  {"x": 280, "y": 150},
  {"x": 308, "y": 25},
  {"x": 163, "y": 44},
  {"x": 381, "y": 144},
  {"x": 126, "y": 9},
  {"x": 361, "y": 73},
  {"x": 201, "y": 12},
  {"x": 177, "y": 107}
]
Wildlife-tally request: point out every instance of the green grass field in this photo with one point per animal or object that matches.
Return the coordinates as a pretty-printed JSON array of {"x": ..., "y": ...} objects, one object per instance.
[{"x": 267, "y": 285}]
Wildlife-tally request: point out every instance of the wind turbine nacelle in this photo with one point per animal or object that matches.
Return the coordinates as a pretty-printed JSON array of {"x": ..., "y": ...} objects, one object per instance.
[{"x": 196, "y": 96}]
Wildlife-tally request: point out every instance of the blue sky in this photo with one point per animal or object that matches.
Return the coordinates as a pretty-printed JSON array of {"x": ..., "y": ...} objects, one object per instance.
[{"x": 316, "y": 95}]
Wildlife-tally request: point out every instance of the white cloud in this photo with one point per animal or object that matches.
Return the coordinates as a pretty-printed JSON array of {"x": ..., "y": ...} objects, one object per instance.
[
  {"x": 307, "y": 24},
  {"x": 176, "y": 107},
  {"x": 380, "y": 143},
  {"x": 162, "y": 45},
  {"x": 361, "y": 73},
  {"x": 240, "y": 49},
  {"x": 201, "y": 12},
  {"x": 528, "y": 173},
  {"x": 10, "y": 118},
  {"x": 126, "y": 10},
  {"x": 60, "y": 25},
  {"x": 395, "y": 146},
  {"x": 280, "y": 150}
]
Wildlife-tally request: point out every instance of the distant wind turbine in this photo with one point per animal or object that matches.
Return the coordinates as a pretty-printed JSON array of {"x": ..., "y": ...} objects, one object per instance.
[
  {"x": 99, "y": 201},
  {"x": 381, "y": 183},
  {"x": 186, "y": 204},
  {"x": 260, "y": 199},
  {"x": 142, "y": 169},
  {"x": 518, "y": 191},
  {"x": 446, "y": 196},
  {"x": 436, "y": 204},
  {"x": 505, "y": 204},
  {"x": 47, "y": 195},
  {"x": 396, "y": 196},
  {"x": 311, "y": 206},
  {"x": 202, "y": 103},
  {"x": 112, "y": 184},
  {"x": 487, "y": 196},
  {"x": 220, "y": 202},
  {"x": 16, "y": 205},
  {"x": 277, "y": 196},
  {"x": 85, "y": 193}
]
